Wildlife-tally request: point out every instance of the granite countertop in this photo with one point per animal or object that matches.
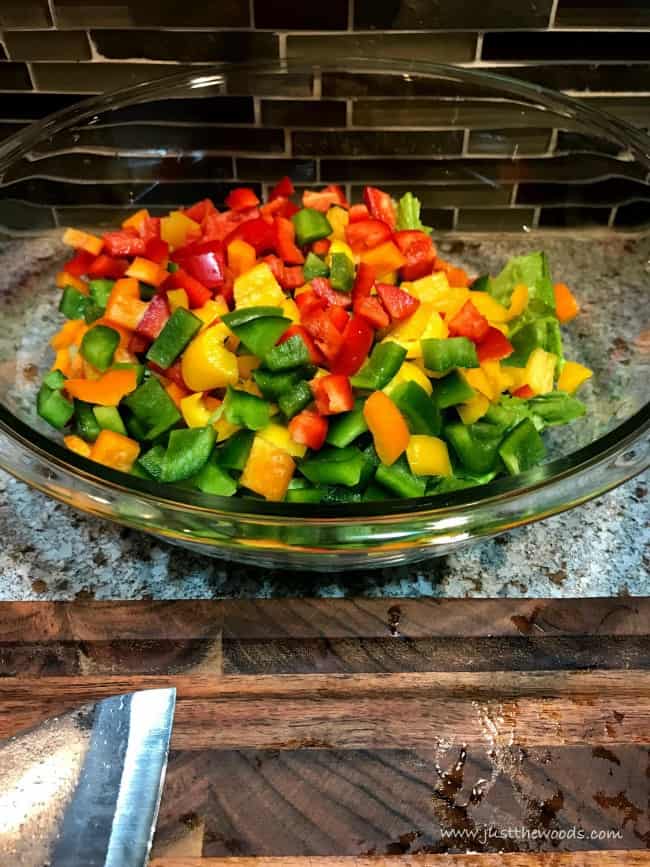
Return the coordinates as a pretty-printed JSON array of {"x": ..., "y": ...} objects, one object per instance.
[{"x": 52, "y": 552}]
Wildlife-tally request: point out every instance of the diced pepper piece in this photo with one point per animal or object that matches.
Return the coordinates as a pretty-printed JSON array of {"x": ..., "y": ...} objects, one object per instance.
[
  {"x": 80, "y": 263},
  {"x": 212, "y": 479},
  {"x": 381, "y": 206},
  {"x": 71, "y": 333},
  {"x": 283, "y": 189},
  {"x": 124, "y": 243},
  {"x": 409, "y": 372},
  {"x": 314, "y": 267},
  {"x": 494, "y": 346},
  {"x": 309, "y": 428},
  {"x": 399, "y": 304},
  {"x": 177, "y": 228},
  {"x": 572, "y": 376},
  {"x": 489, "y": 387},
  {"x": 187, "y": 452},
  {"x": 428, "y": 456},
  {"x": 100, "y": 291},
  {"x": 177, "y": 298},
  {"x": 154, "y": 318},
  {"x": 211, "y": 311},
  {"x": 288, "y": 354},
  {"x": 179, "y": 329},
  {"x": 384, "y": 362},
  {"x": 518, "y": 301},
  {"x": 446, "y": 354},
  {"x": 234, "y": 453},
  {"x": 366, "y": 235},
  {"x": 98, "y": 346},
  {"x": 77, "y": 445},
  {"x": 468, "y": 322},
  {"x": 115, "y": 450},
  {"x": 452, "y": 389},
  {"x": 341, "y": 272},
  {"x": 151, "y": 461},
  {"x": 204, "y": 261},
  {"x": 258, "y": 287},
  {"x": 358, "y": 212},
  {"x": 73, "y": 304},
  {"x": 137, "y": 221},
  {"x": 268, "y": 470},
  {"x": 207, "y": 364},
  {"x": 247, "y": 410},
  {"x": 476, "y": 445},
  {"x": 153, "y": 408},
  {"x": 177, "y": 393},
  {"x": 321, "y": 248},
  {"x": 338, "y": 219},
  {"x": 310, "y": 225},
  {"x": 274, "y": 384},
  {"x": 566, "y": 306},
  {"x": 285, "y": 234},
  {"x": 85, "y": 423},
  {"x": 157, "y": 251},
  {"x": 195, "y": 410},
  {"x": 540, "y": 371},
  {"x": 334, "y": 466},
  {"x": 241, "y": 257},
  {"x": 399, "y": 479},
  {"x": 387, "y": 426},
  {"x": 315, "y": 356},
  {"x": 53, "y": 407},
  {"x": 323, "y": 288},
  {"x": 372, "y": 310},
  {"x": 384, "y": 258},
  {"x": 357, "y": 340},
  {"x": 197, "y": 294},
  {"x": 281, "y": 437},
  {"x": 345, "y": 428},
  {"x": 324, "y": 199},
  {"x": 473, "y": 409},
  {"x": 419, "y": 251},
  {"x": 421, "y": 412},
  {"x": 332, "y": 393},
  {"x": 524, "y": 391},
  {"x": 522, "y": 448},
  {"x": 295, "y": 400},
  {"x": 109, "y": 418},
  {"x": 124, "y": 306},
  {"x": 83, "y": 241},
  {"x": 260, "y": 332},
  {"x": 64, "y": 279},
  {"x": 108, "y": 390},
  {"x": 241, "y": 198},
  {"x": 147, "y": 271}
]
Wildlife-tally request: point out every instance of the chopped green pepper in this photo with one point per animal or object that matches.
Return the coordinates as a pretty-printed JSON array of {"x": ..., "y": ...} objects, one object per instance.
[
  {"x": 441, "y": 354},
  {"x": 399, "y": 479},
  {"x": 54, "y": 379},
  {"x": 305, "y": 495},
  {"x": 314, "y": 267},
  {"x": 234, "y": 452},
  {"x": 273, "y": 385},
  {"x": 100, "y": 290},
  {"x": 92, "y": 312},
  {"x": 346, "y": 427},
  {"x": 135, "y": 428},
  {"x": 85, "y": 424},
  {"x": 310, "y": 225},
  {"x": 152, "y": 461},
  {"x": 292, "y": 353},
  {"x": 213, "y": 479},
  {"x": 109, "y": 418},
  {"x": 341, "y": 272},
  {"x": 98, "y": 346},
  {"x": 260, "y": 335},
  {"x": 179, "y": 329},
  {"x": 557, "y": 407},
  {"x": 291, "y": 402},
  {"x": 384, "y": 362},
  {"x": 421, "y": 411},
  {"x": 452, "y": 389},
  {"x": 522, "y": 448},
  {"x": 153, "y": 408},
  {"x": 335, "y": 467},
  {"x": 246, "y": 409},
  {"x": 187, "y": 452},
  {"x": 249, "y": 314},
  {"x": 73, "y": 303},
  {"x": 52, "y": 406},
  {"x": 477, "y": 445}
]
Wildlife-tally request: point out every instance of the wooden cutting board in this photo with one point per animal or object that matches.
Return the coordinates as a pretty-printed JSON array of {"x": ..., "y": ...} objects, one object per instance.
[{"x": 326, "y": 733}]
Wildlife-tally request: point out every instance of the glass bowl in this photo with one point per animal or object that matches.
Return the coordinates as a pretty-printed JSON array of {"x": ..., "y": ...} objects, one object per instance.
[{"x": 502, "y": 167}]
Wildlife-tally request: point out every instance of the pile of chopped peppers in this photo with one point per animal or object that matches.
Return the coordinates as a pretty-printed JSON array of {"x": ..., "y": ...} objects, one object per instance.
[{"x": 313, "y": 353}]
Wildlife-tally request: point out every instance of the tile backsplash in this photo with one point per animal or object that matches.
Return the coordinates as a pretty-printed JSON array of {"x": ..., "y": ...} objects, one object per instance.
[{"x": 55, "y": 52}]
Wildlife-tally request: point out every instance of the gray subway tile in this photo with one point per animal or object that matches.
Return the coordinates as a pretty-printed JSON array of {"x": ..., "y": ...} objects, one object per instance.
[
  {"x": 633, "y": 215},
  {"x": 152, "y": 13},
  {"x": 301, "y": 171},
  {"x": 495, "y": 219},
  {"x": 503, "y": 142},
  {"x": 33, "y": 106},
  {"x": 452, "y": 196},
  {"x": 47, "y": 45},
  {"x": 566, "y": 45},
  {"x": 25, "y": 13},
  {"x": 584, "y": 76},
  {"x": 578, "y": 13},
  {"x": 303, "y": 112},
  {"x": 289, "y": 15},
  {"x": 370, "y": 143},
  {"x": 189, "y": 46},
  {"x": 560, "y": 218},
  {"x": 98, "y": 77},
  {"x": 613, "y": 191},
  {"x": 476, "y": 113},
  {"x": 442, "y": 47},
  {"x": 17, "y": 215},
  {"x": 450, "y": 14},
  {"x": 14, "y": 76}
]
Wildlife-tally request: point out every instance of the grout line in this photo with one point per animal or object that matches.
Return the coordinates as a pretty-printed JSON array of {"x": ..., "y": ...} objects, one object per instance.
[
  {"x": 317, "y": 161},
  {"x": 479, "y": 46},
  {"x": 348, "y": 191},
  {"x": 537, "y": 212},
  {"x": 612, "y": 217},
  {"x": 464, "y": 151},
  {"x": 551, "y": 20},
  {"x": 234, "y": 168},
  {"x": 55, "y": 216},
  {"x": 251, "y": 12},
  {"x": 282, "y": 46},
  {"x": 52, "y": 9},
  {"x": 257, "y": 111},
  {"x": 30, "y": 72},
  {"x": 454, "y": 222},
  {"x": 513, "y": 195},
  {"x": 288, "y": 149},
  {"x": 349, "y": 117},
  {"x": 552, "y": 144},
  {"x": 318, "y": 84},
  {"x": 350, "y": 15}
]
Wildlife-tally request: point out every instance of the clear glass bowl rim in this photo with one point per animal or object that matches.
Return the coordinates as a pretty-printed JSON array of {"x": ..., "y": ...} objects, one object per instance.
[{"x": 606, "y": 449}]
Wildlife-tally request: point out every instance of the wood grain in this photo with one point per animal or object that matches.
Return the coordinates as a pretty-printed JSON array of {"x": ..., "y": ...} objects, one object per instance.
[{"x": 552, "y": 859}]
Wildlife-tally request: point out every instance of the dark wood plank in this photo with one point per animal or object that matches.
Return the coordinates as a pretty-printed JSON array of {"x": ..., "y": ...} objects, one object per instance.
[{"x": 564, "y": 859}]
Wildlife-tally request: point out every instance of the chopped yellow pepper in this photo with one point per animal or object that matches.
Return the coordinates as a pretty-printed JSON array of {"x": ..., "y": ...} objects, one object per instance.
[
  {"x": 207, "y": 364},
  {"x": 83, "y": 241},
  {"x": 258, "y": 288},
  {"x": 572, "y": 376},
  {"x": 279, "y": 436},
  {"x": 409, "y": 372},
  {"x": 518, "y": 301},
  {"x": 489, "y": 306},
  {"x": 211, "y": 311},
  {"x": 428, "y": 456},
  {"x": 178, "y": 298},
  {"x": 430, "y": 288},
  {"x": 176, "y": 228},
  {"x": 477, "y": 378},
  {"x": 473, "y": 409},
  {"x": 268, "y": 470},
  {"x": 338, "y": 219},
  {"x": 247, "y": 364},
  {"x": 77, "y": 445},
  {"x": 194, "y": 410},
  {"x": 291, "y": 310},
  {"x": 339, "y": 247},
  {"x": 540, "y": 370}
]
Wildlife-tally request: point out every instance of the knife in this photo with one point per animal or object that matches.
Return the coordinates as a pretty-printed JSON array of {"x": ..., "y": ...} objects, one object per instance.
[{"x": 83, "y": 789}]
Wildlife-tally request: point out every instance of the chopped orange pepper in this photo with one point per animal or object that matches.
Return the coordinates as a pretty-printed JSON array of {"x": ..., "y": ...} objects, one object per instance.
[
  {"x": 566, "y": 306},
  {"x": 108, "y": 390},
  {"x": 115, "y": 450},
  {"x": 83, "y": 241},
  {"x": 176, "y": 392},
  {"x": 77, "y": 445},
  {"x": 62, "y": 361},
  {"x": 64, "y": 279},
  {"x": 125, "y": 333},
  {"x": 384, "y": 258},
  {"x": 76, "y": 365},
  {"x": 68, "y": 334},
  {"x": 268, "y": 470},
  {"x": 124, "y": 306},
  {"x": 147, "y": 271},
  {"x": 241, "y": 257},
  {"x": 122, "y": 355},
  {"x": 136, "y": 221},
  {"x": 387, "y": 426}
]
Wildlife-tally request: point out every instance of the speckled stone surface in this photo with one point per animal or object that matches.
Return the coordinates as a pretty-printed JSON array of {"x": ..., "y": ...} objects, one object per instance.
[{"x": 49, "y": 551}]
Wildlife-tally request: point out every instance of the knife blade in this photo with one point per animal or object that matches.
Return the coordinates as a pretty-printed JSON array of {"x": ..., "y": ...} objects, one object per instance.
[{"x": 83, "y": 789}]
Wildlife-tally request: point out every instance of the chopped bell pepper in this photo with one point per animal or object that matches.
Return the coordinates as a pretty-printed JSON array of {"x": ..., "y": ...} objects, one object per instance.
[
  {"x": 310, "y": 225},
  {"x": 476, "y": 445},
  {"x": 357, "y": 340},
  {"x": 494, "y": 346},
  {"x": 247, "y": 410},
  {"x": 268, "y": 470},
  {"x": 387, "y": 425},
  {"x": 153, "y": 408},
  {"x": 282, "y": 437},
  {"x": 332, "y": 393},
  {"x": 522, "y": 448},
  {"x": 100, "y": 291},
  {"x": 288, "y": 354},
  {"x": 179, "y": 329},
  {"x": 334, "y": 466},
  {"x": 384, "y": 362},
  {"x": 212, "y": 479},
  {"x": 399, "y": 304},
  {"x": 323, "y": 288},
  {"x": 365, "y": 235},
  {"x": 399, "y": 479},
  {"x": 204, "y": 261},
  {"x": 187, "y": 452},
  {"x": 468, "y": 322},
  {"x": 566, "y": 306},
  {"x": 428, "y": 456},
  {"x": 177, "y": 298},
  {"x": 283, "y": 189},
  {"x": 315, "y": 267},
  {"x": 86, "y": 425},
  {"x": 115, "y": 450},
  {"x": 207, "y": 364},
  {"x": 381, "y": 206},
  {"x": 372, "y": 310},
  {"x": 77, "y": 445},
  {"x": 109, "y": 418},
  {"x": 324, "y": 199},
  {"x": 241, "y": 257},
  {"x": 446, "y": 354},
  {"x": 345, "y": 428},
  {"x": 257, "y": 287},
  {"x": 177, "y": 228},
  {"x": 473, "y": 409},
  {"x": 341, "y": 272},
  {"x": 124, "y": 243},
  {"x": 453, "y": 389},
  {"x": 124, "y": 306},
  {"x": 285, "y": 234},
  {"x": 421, "y": 412},
  {"x": 258, "y": 328},
  {"x": 540, "y": 371},
  {"x": 108, "y": 390},
  {"x": 241, "y": 198},
  {"x": 73, "y": 303},
  {"x": 98, "y": 346},
  {"x": 53, "y": 406},
  {"x": 63, "y": 279},
  {"x": 384, "y": 258},
  {"x": 83, "y": 241},
  {"x": 293, "y": 401},
  {"x": 154, "y": 318},
  {"x": 234, "y": 453},
  {"x": 147, "y": 271},
  {"x": 419, "y": 251},
  {"x": 572, "y": 376}
]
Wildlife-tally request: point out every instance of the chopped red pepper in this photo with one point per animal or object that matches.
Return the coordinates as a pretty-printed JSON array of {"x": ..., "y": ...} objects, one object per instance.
[
  {"x": 150, "y": 229},
  {"x": 314, "y": 353},
  {"x": 321, "y": 248},
  {"x": 293, "y": 277},
  {"x": 279, "y": 207},
  {"x": 339, "y": 317},
  {"x": 242, "y": 198},
  {"x": 309, "y": 429},
  {"x": 138, "y": 343},
  {"x": 323, "y": 288},
  {"x": 494, "y": 346},
  {"x": 309, "y": 300},
  {"x": 216, "y": 227},
  {"x": 258, "y": 233},
  {"x": 398, "y": 303},
  {"x": 174, "y": 372},
  {"x": 323, "y": 200},
  {"x": 332, "y": 393},
  {"x": 525, "y": 391},
  {"x": 285, "y": 242},
  {"x": 468, "y": 322},
  {"x": 107, "y": 266},
  {"x": 321, "y": 327},
  {"x": 357, "y": 341},
  {"x": 228, "y": 289},
  {"x": 457, "y": 277},
  {"x": 363, "y": 282},
  {"x": 381, "y": 206},
  {"x": 366, "y": 234},
  {"x": 283, "y": 189},
  {"x": 419, "y": 251},
  {"x": 203, "y": 260},
  {"x": 197, "y": 293},
  {"x": 125, "y": 242},
  {"x": 154, "y": 318},
  {"x": 371, "y": 309},
  {"x": 358, "y": 213},
  {"x": 80, "y": 263},
  {"x": 157, "y": 250},
  {"x": 276, "y": 265},
  {"x": 199, "y": 211}
]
